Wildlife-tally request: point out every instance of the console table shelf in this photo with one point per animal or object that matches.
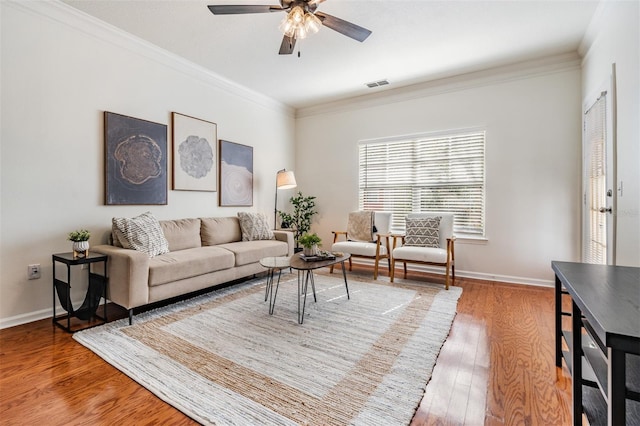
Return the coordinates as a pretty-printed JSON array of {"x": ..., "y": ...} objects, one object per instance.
[{"x": 605, "y": 327}]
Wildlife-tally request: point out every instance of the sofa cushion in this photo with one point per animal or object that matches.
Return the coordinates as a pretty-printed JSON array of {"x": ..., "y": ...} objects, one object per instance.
[
  {"x": 254, "y": 226},
  {"x": 142, "y": 233},
  {"x": 420, "y": 254},
  {"x": 359, "y": 248},
  {"x": 181, "y": 233},
  {"x": 252, "y": 251},
  {"x": 219, "y": 230},
  {"x": 178, "y": 265}
]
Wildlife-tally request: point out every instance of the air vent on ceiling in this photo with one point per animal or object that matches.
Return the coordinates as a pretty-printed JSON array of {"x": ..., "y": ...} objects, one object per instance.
[{"x": 377, "y": 83}]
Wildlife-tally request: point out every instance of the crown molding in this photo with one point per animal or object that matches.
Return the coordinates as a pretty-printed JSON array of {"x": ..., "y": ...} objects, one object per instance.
[
  {"x": 67, "y": 15},
  {"x": 495, "y": 75}
]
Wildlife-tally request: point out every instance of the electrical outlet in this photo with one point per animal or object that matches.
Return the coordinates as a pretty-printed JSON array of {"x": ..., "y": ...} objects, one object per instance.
[{"x": 33, "y": 271}]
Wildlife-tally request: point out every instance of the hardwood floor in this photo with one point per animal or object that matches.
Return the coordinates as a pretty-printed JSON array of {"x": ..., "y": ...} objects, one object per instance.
[{"x": 496, "y": 367}]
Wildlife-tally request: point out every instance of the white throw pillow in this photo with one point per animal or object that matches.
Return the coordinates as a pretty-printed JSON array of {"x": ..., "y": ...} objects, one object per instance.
[
  {"x": 142, "y": 233},
  {"x": 254, "y": 226}
]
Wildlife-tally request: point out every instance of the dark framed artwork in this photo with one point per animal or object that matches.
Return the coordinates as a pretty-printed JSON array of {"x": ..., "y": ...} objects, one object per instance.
[
  {"x": 135, "y": 161},
  {"x": 236, "y": 174},
  {"x": 194, "y": 154}
]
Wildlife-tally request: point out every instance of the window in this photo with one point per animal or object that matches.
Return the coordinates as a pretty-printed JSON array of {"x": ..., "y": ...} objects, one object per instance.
[{"x": 426, "y": 173}]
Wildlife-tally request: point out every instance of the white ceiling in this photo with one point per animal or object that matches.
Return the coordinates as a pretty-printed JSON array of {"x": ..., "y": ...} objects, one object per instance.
[{"x": 412, "y": 42}]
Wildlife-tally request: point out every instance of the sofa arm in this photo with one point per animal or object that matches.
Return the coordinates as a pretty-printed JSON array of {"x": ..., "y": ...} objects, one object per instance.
[
  {"x": 287, "y": 237},
  {"x": 128, "y": 273}
]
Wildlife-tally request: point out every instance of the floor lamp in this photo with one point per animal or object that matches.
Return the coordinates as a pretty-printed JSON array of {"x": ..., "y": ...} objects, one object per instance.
[{"x": 285, "y": 179}]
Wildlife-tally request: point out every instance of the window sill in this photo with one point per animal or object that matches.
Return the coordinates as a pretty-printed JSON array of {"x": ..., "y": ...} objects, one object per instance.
[{"x": 471, "y": 239}]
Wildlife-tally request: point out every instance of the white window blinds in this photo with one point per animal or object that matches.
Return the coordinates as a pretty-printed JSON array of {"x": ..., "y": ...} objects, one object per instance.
[
  {"x": 430, "y": 173},
  {"x": 595, "y": 135}
]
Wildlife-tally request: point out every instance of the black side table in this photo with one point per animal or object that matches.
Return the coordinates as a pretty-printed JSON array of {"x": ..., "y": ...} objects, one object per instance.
[{"x": 97, "y": 289}]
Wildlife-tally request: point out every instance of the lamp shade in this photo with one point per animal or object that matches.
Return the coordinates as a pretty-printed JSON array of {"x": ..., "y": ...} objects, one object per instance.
[{"x": 285, "y": 179}]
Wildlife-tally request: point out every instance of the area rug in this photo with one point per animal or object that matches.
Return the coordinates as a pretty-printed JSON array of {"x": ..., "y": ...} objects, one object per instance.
[{"x": 222, "y": 359}]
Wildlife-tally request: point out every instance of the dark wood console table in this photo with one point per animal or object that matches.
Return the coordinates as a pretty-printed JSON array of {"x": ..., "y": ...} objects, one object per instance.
[{"x": 603, "y": 342}]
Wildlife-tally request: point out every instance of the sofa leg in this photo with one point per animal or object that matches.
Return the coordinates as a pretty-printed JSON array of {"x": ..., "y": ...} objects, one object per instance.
[{"x": 131, "y": 316}]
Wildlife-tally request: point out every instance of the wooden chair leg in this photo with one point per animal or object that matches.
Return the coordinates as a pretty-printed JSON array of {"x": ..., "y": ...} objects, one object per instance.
[
  {"x": 350, "y": 264},
  {"x": 375, "y": 270},
  {"x": 331, "y": 269},
  {"x": 446, "y": 279},
  {"x": 392, "y": 268}
]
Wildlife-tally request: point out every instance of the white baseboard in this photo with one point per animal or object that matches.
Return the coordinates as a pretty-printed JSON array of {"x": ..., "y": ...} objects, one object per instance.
[
  {"x": 25, "y": 318},
  {"x": 469, "y": 274},
  {"x": 34, "y": 316}
]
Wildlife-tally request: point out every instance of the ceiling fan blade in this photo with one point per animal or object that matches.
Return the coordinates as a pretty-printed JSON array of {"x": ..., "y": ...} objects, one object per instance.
[
  {"x": 288, "y": 43},
  {"x": 354, "y": 31},
  {"x": 229, "y": 9}
]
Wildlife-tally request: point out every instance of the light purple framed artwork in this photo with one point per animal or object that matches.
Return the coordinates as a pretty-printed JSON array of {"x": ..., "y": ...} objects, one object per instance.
[{"x": 236, "y": 175}]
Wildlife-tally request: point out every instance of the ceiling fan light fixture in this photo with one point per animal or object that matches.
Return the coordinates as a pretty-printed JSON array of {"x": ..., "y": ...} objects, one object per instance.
[
  {"x": 299, "y": 23},
  {"x": 287, "y": 27},
  {"x": 312, "y": 23},
  {"x": 301, "y": 32}
]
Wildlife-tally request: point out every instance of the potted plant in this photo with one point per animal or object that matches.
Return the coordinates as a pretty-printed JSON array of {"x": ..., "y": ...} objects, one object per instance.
[
  {"x": 310, "y": 243},
  {"x": 80, "y": 240},
  {"x": 300, "y": 220}
]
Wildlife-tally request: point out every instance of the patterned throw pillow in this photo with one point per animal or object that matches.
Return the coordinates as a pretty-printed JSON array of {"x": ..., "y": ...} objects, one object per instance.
[
  {"x": 360, "y": 226},
  {"x": 423, "y": 232},
  {"x": 142, "y": 233},
  {"x": 254, "y": 226}
]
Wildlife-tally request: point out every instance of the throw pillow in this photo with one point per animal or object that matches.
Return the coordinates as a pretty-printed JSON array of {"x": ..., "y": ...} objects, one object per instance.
[
  {"x": 423, "y": 232},
  {"x": 254, "y": 226},
  {"x": 142, "y": 233},
  {"x": 360, "y": 226}
]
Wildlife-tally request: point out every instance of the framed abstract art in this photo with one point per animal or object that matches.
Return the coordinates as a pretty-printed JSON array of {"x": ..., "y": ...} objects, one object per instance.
[
  {"x": 135, "y": 161},
  {"x": 194, "y": 154},
  {"x": 236, "y": 174}
]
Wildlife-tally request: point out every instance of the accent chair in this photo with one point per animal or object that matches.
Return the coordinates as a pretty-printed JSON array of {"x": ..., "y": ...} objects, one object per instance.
[
  {"x": 429, "y": 240},
  {"x": 366, "y": 231}
]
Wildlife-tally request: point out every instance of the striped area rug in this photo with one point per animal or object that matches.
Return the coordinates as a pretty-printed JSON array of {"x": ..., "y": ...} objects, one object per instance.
[{"x": 222, "y": 359}]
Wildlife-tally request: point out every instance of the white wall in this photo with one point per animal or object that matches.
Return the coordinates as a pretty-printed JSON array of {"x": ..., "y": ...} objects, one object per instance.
[
  {"x": 614, "y": 37},
  {"x": 533, "y": 139},
  {"x": 60, "y": 71}
]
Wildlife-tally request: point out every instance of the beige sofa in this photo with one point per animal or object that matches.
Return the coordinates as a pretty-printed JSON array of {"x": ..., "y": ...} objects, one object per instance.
[{"x": 203, "y": 252}]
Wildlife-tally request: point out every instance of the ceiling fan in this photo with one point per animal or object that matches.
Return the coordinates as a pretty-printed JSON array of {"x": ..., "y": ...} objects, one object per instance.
[{"x": 302, "y": 18}]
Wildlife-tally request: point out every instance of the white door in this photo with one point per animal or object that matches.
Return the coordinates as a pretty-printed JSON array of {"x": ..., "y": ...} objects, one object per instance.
[{"x": 599, "y": 196}]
